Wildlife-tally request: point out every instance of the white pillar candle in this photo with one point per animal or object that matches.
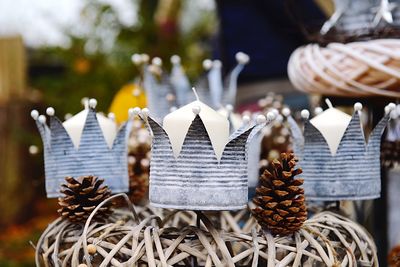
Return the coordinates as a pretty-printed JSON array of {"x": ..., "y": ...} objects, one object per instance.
[
  {"x": 332, "y": 123},
  {"x": 74, "y": 126},
  {"x": 177, "y": 123}
]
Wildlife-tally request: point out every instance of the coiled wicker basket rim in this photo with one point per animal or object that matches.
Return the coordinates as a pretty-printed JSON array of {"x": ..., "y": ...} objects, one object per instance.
[{"x": 357, "y": 69}]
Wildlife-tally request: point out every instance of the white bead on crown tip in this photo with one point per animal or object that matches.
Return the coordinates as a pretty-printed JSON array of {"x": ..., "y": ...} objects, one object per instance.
[
  {"x": 145, "y": 112},
  {"x": 391, "y": 109},
  {"x": 207, "y": 64},
  {"x": 196, "y": 110},
  {"x": 262, "y": 119},
  {"x": 217, "y": 63},
  {"x": 246, "y": 119},
  {"x": 175, "y": 59},
  {"x": 67, "y": 116},
  {"x": 392, "y": 106},
  {"x": 271, "y": 116},
  {"x": 134, "y": 111},
  {"x": 34, "y": 114},
  {"x": 136, "y": 59},
  {"x": 92, "y": 103},
  {"x": 318, "y": 110},
  {"x": 145, "y": 58},
  {"x": 172, "y": 109},
  {"x": 358, "y": 106},
  {"x": 111, "y": 116},
  {"x": 42, "y": 119},
  {"x": 156, "y": 61},
  {"x": 275, "y": 111},
  {"x": 50, "y": 111},
  {"x": 85, "y": 102},
  {"x": 242, "y": 58},
  {"x": 305, "y": 114},
  {"x": 286, "y": 112}
]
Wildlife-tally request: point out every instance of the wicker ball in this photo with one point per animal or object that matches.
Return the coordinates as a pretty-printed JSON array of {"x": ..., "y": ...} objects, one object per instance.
[
  {"x": 356, "y": 69},
  {"x": 326, "y": 239}
]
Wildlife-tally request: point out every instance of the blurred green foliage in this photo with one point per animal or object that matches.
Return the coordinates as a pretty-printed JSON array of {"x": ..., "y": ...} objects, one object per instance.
[{"x": 64, "y": 76}]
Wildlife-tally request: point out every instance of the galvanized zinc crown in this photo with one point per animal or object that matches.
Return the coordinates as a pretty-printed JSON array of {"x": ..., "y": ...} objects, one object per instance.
[
  {"x": 353, "y": 173},
  {"x": 196, "y": 180},
  {"x": 92, "y": 157},
  {"x": 165, "y": 91}
]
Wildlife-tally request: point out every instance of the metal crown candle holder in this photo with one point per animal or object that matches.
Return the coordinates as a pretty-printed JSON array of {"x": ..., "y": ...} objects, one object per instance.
[
  {"x": 353, "y": 173},
  {"x": 92, "y": 157},
  {"x": 165, "y": 91},
  {"x": 196, "y": 179}
]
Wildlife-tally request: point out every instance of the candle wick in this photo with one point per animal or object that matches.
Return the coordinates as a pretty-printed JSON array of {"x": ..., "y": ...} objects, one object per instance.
[
  {"x": 195, "y": 93},
  {"x": 328, "y": 102}
]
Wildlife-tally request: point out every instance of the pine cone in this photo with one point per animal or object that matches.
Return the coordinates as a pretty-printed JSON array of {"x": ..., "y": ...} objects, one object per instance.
[
  {"x": 394, "y": 257},
  {"x": 137, "y": 185},
  {"x": 82, "y": 195},
  {"x": 139, "y": 162},
  {"x": 280, "y": 201}
]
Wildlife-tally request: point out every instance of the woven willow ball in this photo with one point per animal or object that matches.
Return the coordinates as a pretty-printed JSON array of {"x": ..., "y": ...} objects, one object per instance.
[
  {"x": 356, "y": 69},
  {"x": 325, "y": 240}
]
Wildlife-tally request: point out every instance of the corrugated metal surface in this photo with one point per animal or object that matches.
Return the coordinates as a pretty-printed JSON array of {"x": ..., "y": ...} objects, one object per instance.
[
  {"x": 353, "y": 173},
  {"x": 196, "y": 180},
  {"x": 92, "y": 158}
]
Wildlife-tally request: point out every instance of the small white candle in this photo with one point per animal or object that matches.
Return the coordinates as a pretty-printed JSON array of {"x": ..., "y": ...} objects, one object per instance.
[
  {"x": 74, "y": 126},
  {"x": 177, "y": 123},
  {"x": 332, "y": 123}
]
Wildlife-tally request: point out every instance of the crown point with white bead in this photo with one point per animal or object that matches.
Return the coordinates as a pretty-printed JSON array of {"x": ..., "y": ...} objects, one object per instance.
[
  {"x": 217, "y": 63},
  {"x": 145, "y": 112},
  {"x": 391, "y": 106},
  {"x": 175, "y": 59},
  {"x": 34, "y": 114},
  {"x": 207, "y": 64},
  {"x": 261, "y": 119},
  {"x": 134, "y": 111},
  {"x": 156, "y": 61},
  {"x": 271, "y": 116},
  {"x": 196, "y": 110},
  {"x": 136, "y": 59},
  {"x": 246, "y": 119},
  {"x": 50, "y": 111},
  {"x": 318, "y": 110},
  {"x": 92, "y": 103},
  {"x": 242, "y": 58},
  {"x": 42, "y": 119},
  {"x": 145, "y": 58},
  {"x": 286, "y": 112},
  {"x": 358, "y": 106},
  {"x": 305, "y": 114}
]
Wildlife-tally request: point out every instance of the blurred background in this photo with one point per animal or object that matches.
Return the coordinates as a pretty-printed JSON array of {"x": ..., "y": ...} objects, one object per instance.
[{"x": 54, "y": 53}]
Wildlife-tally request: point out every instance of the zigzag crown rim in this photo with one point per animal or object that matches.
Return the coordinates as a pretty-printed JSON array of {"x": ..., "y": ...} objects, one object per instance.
[
  {"x": 92, "y": 157},
  {"x": 41, "y": 121},
  {"x": 251, "y": 128},
  {"x": 299, "y": 136},
  {"x": 353, "y": 173},
  {"x": 166, "y": 90}
]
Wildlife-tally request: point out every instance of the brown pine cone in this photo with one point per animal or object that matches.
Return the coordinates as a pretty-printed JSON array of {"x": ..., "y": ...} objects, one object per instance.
[
  {"x": 82, "y": 195},
  {"x": 280, "y": 200},
  {"x": 138, "y": 185},
  {"x": 139, "y": 163}
]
